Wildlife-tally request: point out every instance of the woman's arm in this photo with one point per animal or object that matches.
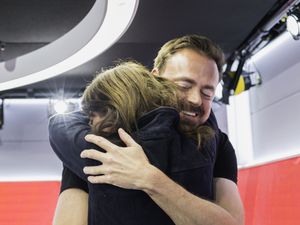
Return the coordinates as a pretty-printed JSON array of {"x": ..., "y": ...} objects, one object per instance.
[{"x": 66, "y": 136}]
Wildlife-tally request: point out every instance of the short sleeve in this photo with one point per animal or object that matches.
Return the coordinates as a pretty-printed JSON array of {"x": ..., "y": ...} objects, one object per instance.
[
  {"x": 71, "y": 180},
  {"x": 226, "y": 162}
]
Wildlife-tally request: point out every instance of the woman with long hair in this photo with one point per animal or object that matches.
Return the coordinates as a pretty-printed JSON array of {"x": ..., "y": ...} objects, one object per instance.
[{"x": 128, "y": 96}]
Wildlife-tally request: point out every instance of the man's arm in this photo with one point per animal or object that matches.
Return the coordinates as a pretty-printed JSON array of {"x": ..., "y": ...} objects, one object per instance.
[
  {"x": 186, "y": 208},
  {"x": 225, "y": 177},
  {"x": 129, "y": 168},
  {"x": 228, "y": 197},
  {"x": 72, "y": 203},
  {"x": 71, "y": 208}
]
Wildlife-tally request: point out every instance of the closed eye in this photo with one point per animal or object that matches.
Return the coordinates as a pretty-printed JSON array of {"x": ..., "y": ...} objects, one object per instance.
[
  {"x": 208, "y": 93},
  {"x": 183, "y": 85}
]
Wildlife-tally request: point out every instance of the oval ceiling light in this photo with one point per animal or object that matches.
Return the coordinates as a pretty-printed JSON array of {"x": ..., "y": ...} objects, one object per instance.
[
  {"x": 106, "y": 22},
  {"x": 293, "y": 25}
]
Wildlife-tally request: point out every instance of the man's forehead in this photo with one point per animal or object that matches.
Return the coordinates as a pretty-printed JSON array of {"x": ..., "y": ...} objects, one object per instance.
[
  {"x": 191, "y": 75},
  {"x": 189, "y": 58}
]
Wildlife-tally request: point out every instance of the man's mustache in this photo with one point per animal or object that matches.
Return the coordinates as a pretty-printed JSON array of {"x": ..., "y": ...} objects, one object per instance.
[{"x": 191, "y": 108}]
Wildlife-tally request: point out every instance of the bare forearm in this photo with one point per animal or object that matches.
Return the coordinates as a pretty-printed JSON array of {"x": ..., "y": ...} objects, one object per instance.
[
  {"x": 183, "y": 207},
  {"x": 72, "y": 208}
]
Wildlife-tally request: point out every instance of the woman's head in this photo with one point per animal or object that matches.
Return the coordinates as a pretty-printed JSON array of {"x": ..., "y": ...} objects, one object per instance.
[{"x": 122, "y": 94}]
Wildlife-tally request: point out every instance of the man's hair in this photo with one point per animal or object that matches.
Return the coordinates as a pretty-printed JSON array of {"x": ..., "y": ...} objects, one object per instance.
[
  {"x": 122, "y": 94},
  {"x": 200, "y": 44}
]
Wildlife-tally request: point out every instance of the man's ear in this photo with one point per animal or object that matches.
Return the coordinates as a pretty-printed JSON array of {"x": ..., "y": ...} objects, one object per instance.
[{"x": 155, "y": 71}]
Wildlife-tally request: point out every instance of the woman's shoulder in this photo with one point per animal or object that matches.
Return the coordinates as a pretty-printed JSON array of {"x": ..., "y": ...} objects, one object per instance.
[{"x": 160, "y": 122}]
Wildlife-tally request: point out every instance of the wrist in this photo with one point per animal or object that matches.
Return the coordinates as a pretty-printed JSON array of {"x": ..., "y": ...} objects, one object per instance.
[{"x": 152, "y": 180}]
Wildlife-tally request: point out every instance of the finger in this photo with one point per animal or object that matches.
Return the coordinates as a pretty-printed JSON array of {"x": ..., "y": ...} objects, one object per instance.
[
  {"x": 101, "y": 142},
  {"x": 104, "y": 179},
  {"x": 126, "y": 138},
  {"x": 94, "y": 154},
  {"x": 94, "y": 170}
]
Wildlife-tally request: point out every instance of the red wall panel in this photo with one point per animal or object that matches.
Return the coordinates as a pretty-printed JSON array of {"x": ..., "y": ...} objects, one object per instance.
[
  {"x": 271, "y": 193},
  {"x": 271, "y": 196},
  {"x": 28, "y": 203}
]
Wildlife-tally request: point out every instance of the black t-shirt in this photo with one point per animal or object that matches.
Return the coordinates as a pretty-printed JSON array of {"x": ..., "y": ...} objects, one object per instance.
[
  {"x": 225, "y": 164},
  {"x": 71, "y": 180}
]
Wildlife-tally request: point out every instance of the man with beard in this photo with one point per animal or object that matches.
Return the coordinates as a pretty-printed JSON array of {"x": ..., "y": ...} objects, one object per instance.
[{"x": 194, "y": 63}]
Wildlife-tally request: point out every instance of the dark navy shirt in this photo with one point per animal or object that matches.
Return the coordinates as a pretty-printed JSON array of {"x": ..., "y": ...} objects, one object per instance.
[{"x": 166, "y": 148}]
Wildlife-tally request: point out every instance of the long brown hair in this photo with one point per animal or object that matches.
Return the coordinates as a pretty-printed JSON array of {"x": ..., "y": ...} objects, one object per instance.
[{"x": 122, "y": 94}]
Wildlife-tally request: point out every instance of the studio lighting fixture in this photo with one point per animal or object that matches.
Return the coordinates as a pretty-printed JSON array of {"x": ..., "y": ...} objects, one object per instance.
[
  {"x": 61, "y": 106},
  {"x": 293, "y": 23}
]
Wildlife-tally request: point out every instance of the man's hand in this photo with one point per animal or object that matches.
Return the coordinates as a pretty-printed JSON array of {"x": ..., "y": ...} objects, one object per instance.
[{"x": 126, "y": 167}]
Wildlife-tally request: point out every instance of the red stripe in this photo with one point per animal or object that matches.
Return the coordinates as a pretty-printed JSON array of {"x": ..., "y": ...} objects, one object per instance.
[
  {"x": 28, "y": 203},
  {"x": 271, "y": 193}
]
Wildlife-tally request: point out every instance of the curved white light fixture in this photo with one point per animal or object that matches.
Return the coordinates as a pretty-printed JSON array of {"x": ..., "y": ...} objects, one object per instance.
[
  {"x": 102, "y": 27},
  {"x": 293, "y": 25}
]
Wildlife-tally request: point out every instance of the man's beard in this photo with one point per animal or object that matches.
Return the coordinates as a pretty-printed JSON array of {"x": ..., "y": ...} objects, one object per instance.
[
  {"x": 191, "y": 116},
  {"x": 191, "y": 110},
  {"x": 192, "y": 124}
]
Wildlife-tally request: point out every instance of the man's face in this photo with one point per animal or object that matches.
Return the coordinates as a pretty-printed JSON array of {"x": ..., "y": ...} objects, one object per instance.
[{"x": 197, "y": 77}]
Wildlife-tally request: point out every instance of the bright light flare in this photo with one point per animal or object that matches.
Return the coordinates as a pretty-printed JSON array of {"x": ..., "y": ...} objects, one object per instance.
[{"x": 61, "y": 107}]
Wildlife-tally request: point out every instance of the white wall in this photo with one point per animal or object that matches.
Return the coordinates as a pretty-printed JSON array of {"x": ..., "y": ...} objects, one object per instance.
[
  {"x": 264, "y": 123},
  {"x": 275, "y": 106},
  {"x": 239, "y": 127},
  {"x": 25, "y": 152},
  {"x": 220, "y": 112}
]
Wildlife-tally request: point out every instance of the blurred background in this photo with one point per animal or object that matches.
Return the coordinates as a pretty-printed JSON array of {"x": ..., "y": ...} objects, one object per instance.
[{"x": 50, "y": 50}]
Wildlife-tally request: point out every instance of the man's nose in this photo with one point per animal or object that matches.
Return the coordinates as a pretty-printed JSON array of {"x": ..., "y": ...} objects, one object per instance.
[{"x": 194, "y": 98}]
